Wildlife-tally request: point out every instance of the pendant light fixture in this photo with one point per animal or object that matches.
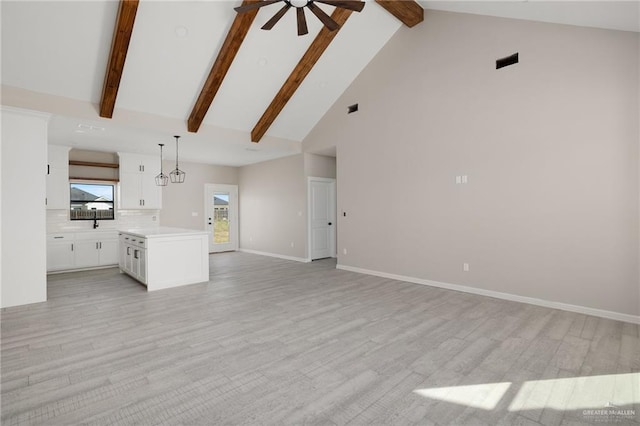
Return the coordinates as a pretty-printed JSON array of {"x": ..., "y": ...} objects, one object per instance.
[
  {"x": 161, "y": 179},
  {"x": 177, "y": 175}
]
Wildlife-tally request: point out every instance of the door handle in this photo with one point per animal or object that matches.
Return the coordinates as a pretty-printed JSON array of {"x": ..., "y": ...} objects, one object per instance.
[{"x": 330, "y": 223}]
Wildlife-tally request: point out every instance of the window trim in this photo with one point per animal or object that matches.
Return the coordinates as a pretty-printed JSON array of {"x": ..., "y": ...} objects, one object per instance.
[{"x": 93, "y": 182}]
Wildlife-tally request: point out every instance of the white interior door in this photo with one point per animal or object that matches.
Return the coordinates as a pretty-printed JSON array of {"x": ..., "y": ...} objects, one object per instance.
[
  {"x": 322, "y": 218},
  {"x": 221, "y": 217}
]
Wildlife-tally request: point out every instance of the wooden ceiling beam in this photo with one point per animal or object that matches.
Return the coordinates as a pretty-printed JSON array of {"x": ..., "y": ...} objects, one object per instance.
[
  {"x": 297, "y": 76},
  {"x": 407, "y": 11},
  {"x": 230, "y": 47},
  {"x": 119, "y": 47}
]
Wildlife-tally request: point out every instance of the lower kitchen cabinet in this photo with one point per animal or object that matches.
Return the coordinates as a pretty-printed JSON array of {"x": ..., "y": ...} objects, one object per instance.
[
  {"x": 60, "y": 252},
  {"x": 68, "y": 251},
  {"x": 133, "y": 258}
]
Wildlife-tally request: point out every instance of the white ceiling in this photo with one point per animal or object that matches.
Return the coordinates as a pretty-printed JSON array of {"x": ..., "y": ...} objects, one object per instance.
[{"x": 61, "y": 47}]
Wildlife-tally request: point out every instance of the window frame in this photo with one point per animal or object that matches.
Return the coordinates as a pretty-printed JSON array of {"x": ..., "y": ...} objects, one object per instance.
[{"x": 93, "y": 182}]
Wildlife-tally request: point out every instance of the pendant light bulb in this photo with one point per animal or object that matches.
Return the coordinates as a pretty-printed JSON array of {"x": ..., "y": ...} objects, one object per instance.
[
  {"x": 161, "y": 179},
  {"x": 177, "y": 175}
]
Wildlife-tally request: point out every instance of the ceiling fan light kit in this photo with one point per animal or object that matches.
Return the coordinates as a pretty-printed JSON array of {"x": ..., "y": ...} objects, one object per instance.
[{"x": 299, "y": 5}]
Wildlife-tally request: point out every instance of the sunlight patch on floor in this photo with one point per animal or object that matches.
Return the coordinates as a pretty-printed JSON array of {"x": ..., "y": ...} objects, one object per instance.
[
  {"x": 575, "y": 393},
  {"x": 485, "y": 396},
  {"x": 578, "y": 392}
]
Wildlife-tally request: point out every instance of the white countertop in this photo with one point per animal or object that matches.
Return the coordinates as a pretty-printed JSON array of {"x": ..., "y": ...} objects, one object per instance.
[{"x": 162, "y": 231}]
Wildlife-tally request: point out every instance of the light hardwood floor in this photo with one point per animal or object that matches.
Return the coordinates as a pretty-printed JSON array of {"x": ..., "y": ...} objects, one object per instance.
[{"x": 271, "y": 341}]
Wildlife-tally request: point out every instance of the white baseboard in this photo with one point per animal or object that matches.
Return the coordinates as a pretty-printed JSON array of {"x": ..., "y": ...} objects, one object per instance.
[
  {"x": 279, "y": 256},
  {"x": 93, "y": 268},
  {"x": 634, "y": 319}
]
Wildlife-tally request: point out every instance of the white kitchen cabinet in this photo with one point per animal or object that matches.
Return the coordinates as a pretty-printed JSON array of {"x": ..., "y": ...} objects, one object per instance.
[
  {"x": 60, "y": 252},
  {"x": 58, "y": 177},
  {"x": 87, "y": 254},
  {"x": 165, "y": 257},
  {"x": 133, "y": 259},
  {"x": 139, "y": 264},
  {"x": 68, "y": 251},
  {"x": 109, "y": 251},
  {"x": 138, "y": 188},
  {"x": 96, "y": 249}
]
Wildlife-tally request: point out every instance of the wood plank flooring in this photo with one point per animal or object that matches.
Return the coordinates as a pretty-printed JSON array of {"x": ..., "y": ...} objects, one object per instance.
[{"x": 270, "y": 341}]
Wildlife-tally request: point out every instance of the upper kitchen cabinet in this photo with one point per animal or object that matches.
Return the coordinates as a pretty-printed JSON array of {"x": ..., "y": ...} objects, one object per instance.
[
  {"x": 58, "y": 177},
  {"x": 138, "y": 188}
]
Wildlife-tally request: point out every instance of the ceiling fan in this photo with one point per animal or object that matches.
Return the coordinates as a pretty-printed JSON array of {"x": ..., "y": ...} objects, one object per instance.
[{"x": 331, "y": 25}]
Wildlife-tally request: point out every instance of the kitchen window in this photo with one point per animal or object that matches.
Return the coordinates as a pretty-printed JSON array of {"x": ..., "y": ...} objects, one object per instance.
[{"x": 91, "y": 201}]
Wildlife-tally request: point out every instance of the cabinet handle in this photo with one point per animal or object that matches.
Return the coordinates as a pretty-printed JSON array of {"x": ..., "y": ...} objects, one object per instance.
[
  {"x": 100, "y": 245},
  {"x": 135, "y": 254},
  {"x": 97, "y": 246},
  {"x": 71, "y": 246},
  {"x": 57, "y": 238},
  {"x": 48, "y": 171},
  {"x": 143, "y": 202},
  {"x": 128, "y": 251}
]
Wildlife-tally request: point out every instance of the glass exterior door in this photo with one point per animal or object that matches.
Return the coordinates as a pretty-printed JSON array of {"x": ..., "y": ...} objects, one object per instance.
[{"x": 221, "y": 210}]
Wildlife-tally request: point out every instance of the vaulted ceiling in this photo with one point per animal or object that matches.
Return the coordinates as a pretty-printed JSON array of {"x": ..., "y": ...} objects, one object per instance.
[{"x": 55, "y": 55}]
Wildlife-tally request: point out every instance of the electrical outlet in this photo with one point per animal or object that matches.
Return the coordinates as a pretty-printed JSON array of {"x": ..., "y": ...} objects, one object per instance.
[
  {"x": 465, "y": 179},
  {"x": 250, "y": 239},
  {"x": 194, "y": 214},
  {"x": 458, "y": 180},
  {"x": 292, "y": 245},
  {"x": 465, "y": 267},
  {"x": 344, "y": 251}
]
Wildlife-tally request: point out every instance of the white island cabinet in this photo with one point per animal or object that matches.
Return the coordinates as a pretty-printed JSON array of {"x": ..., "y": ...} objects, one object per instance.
[{"x": 165, "y": 257}]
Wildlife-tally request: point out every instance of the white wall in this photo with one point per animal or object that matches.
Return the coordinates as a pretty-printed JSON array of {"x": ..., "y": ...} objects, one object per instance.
[
  {"x": 550, "y": 146},
  {"x": 23, "y": 220}
]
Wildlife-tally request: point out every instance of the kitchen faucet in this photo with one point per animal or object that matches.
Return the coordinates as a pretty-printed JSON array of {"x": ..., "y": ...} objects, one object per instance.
[{"x": 95, "y": 219}]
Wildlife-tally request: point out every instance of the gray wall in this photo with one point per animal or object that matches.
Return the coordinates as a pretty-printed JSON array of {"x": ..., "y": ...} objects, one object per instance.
[
  {"x": 319, "y": 166},
  {"x": 550, "y": 146},
  {"x": 180, "y": 201},
  {"x": 273, "y": 209}
]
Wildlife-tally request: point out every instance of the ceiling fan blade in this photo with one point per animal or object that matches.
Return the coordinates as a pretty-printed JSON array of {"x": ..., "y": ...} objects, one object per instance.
[
  {"x": 302, "y": 22},
  {"x": 274, "y": 20},
  {"x": 323, "y": 17},
  {"x": 346, "y": 4},
  {"x": 251, "y": 6}
]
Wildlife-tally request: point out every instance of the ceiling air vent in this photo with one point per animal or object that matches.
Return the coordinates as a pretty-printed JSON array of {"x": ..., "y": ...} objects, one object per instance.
[
  {"x": 505, "y": 62},
  {"x": 352, "y": 108}
]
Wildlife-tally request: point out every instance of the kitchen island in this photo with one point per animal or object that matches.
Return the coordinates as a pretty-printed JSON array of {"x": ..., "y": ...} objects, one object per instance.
[{"x": 164, "y": 257}]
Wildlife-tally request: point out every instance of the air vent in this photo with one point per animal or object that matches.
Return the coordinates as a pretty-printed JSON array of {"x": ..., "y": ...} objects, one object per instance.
[
  {"x": 352, "y": 108},
  {"x": 505, "y": 62}
]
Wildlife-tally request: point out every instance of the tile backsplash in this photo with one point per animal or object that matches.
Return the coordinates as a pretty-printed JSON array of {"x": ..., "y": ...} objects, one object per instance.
[{"x": 58, "y": 221}]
